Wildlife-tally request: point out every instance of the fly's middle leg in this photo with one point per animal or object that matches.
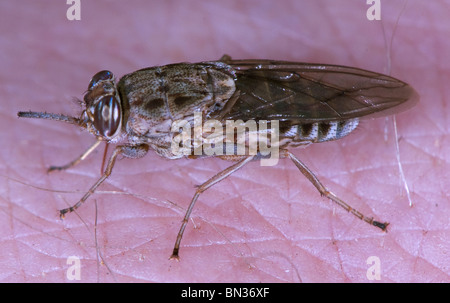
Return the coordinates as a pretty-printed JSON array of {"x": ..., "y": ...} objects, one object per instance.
[{"x": 216, "y": 179}]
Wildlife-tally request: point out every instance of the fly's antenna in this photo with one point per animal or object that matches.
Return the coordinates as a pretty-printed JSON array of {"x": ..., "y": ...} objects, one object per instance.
[{"x": 50, "y": 116}]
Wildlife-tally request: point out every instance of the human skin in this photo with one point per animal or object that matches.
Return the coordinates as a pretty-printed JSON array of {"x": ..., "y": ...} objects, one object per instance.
[{"x": 263, "y": 224}]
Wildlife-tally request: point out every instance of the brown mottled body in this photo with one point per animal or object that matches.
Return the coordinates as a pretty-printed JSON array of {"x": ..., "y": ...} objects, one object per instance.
[
  {"x": 310, "y": 102},
  {"x": 158, "y": 96}
]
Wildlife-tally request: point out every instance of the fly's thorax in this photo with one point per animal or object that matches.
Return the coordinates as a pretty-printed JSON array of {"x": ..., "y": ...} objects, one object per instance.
[
  {"x": 317, "y": 132},
  {"x": 158, "y": 96}
]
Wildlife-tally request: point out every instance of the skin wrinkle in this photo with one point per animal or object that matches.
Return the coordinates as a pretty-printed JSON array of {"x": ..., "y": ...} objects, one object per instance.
[{"x": 264, "y": 224}]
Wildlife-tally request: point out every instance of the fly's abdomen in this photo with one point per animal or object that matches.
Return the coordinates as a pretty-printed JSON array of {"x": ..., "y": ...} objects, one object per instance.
[{"x": 322, "y": 131}]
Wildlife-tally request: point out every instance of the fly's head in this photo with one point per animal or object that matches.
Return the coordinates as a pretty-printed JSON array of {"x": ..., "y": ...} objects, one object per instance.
[{"x": 103, "y": 113}]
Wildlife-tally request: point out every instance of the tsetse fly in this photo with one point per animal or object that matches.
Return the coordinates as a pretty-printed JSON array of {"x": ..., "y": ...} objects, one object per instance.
[{"x": 308, "y": 103}]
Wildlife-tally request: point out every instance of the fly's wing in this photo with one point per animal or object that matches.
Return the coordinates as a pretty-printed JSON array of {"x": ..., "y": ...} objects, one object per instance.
[{"x": 307, "y": 93}]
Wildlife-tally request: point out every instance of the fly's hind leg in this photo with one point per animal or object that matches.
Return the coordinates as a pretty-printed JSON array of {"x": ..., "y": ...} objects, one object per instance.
[
  {"x": 216, "y": 179},
  {"x": 325, "y": 192}
]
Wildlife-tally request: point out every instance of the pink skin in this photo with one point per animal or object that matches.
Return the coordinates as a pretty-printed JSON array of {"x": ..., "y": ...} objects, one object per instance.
[{"x": 263, "y": 224}]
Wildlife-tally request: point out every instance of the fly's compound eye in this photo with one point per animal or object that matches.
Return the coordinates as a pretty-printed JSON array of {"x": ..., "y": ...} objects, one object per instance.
[
  {"x": 107, "y": 116},
  {"x": 100, "y": 76}
]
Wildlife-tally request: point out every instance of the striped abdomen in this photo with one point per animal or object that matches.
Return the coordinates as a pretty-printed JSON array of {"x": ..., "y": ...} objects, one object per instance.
[{"x": 321, "y": 131}]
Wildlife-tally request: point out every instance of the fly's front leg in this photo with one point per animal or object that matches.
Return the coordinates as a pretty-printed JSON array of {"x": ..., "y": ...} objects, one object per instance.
[
  {"x": 325, "y": 192},
  {"x": 216, "y": 179},
  {"x": 77, "y": 160},
  {"x": 127, "y": 151}
]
